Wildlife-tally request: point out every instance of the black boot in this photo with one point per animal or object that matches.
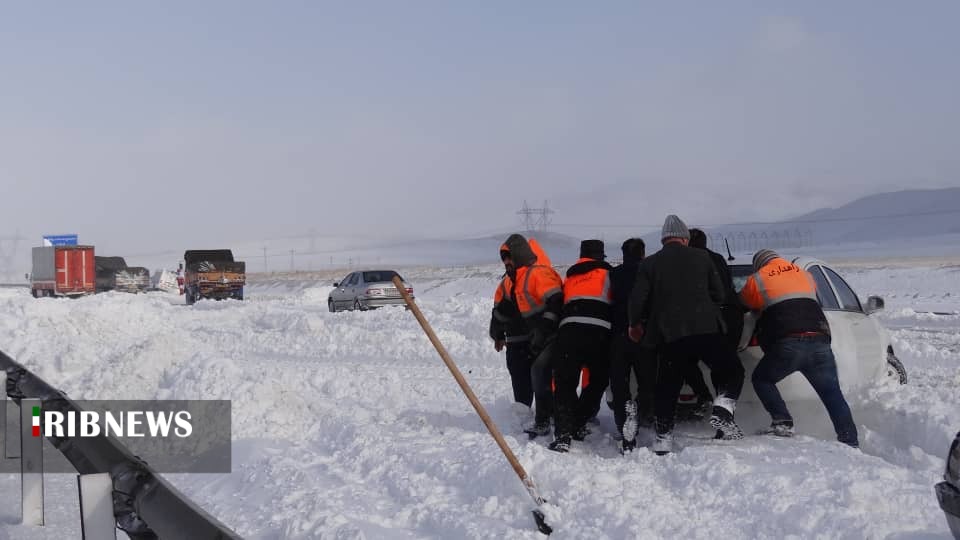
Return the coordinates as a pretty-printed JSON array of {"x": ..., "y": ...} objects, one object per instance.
[
  {"x": 560, "y": 444},
  {"x": 539, "y": 429}
]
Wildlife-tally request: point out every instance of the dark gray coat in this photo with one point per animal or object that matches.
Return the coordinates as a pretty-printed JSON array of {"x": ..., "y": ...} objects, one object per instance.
[{"x": 677, "y": 293}]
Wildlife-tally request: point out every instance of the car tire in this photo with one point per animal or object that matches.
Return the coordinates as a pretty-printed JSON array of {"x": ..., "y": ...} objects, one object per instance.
[
  {"x": 895, "y": 367},
  {"x": 357, "y": 306},
  {"x": 331, "y": 306}
]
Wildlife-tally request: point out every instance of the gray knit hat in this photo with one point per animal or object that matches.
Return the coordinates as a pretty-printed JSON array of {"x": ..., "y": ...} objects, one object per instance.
[
  {"x": 674, "y": 227},
  {"x": 762, "y": 257}
]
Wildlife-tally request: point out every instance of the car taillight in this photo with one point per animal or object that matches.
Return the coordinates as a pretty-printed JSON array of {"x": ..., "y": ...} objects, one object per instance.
[
  {"x": 409, "y": 290},
  {"x": 374, "y": 292},
  {"x": 754, "y": 342}
]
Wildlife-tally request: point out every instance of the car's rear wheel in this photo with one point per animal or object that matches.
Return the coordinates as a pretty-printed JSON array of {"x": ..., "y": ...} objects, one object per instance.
[
  {"x": 357, "y": 306},
  {"x": 895, "y": 367}
]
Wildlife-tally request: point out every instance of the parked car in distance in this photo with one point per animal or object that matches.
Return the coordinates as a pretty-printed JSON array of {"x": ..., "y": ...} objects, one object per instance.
[
  {"x": 948, "y": 491},
  {"x": 366, "y": 289}
]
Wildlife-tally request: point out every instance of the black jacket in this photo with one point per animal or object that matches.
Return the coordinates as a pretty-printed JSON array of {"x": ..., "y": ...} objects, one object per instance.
[
  {"x": 730, "y": 297},
  {"x": 622, "y": 278},
  {"x": 789, "y": 317},
  {"x": 678, "y": 292}
]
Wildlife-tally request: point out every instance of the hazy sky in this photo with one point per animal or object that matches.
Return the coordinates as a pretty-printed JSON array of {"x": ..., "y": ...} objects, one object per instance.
[{"x": 171, "y": 124}]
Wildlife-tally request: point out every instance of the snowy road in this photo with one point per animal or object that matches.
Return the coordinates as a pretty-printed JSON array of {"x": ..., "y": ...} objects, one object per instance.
[{"x": 347, "y": 425}]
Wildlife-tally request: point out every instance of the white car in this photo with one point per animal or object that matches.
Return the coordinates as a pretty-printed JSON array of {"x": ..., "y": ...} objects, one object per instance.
[{"x": 860, "y": 343}]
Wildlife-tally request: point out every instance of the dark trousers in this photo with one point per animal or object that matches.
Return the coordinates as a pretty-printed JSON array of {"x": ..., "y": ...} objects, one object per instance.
[
  {"x": 519, "y": 364},
  {"x": 581, "y": 345},
  {"x": 813, "y": 357},
  {"x": 541, "y": 375},
  {"x": 726, "y": 371},
  {"x": 694, "y": 377},
  {"x": 627, "y": 357}
]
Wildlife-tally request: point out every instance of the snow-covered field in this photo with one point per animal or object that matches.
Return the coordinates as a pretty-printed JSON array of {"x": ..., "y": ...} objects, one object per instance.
[{"x": 348, "y": 425}]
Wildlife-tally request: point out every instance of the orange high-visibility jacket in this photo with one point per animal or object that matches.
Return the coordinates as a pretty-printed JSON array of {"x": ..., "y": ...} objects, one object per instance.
[
  {"x": 536, "y": 285},
  {"x": 506, "y": 323},
  {"x": 587, "y": 294},
  {"x": 778, "y": 281},
  {"x": 786, "y": 295}
]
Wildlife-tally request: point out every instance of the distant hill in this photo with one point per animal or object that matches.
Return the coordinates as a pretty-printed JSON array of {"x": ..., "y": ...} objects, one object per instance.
[{"x": 888, "y": 219}]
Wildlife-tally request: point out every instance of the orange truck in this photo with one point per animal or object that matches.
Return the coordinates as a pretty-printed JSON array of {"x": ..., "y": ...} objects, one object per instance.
[
  {"x": 212, "y": 273},
  {"x": 63, "y": 271}
]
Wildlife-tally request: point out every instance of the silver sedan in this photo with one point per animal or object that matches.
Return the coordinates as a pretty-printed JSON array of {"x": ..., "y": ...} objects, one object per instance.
[{"x": 366, "y": 289}]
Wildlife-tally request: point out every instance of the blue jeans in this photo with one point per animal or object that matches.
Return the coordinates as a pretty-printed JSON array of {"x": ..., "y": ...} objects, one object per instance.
[{"x": 812, "y": 357}]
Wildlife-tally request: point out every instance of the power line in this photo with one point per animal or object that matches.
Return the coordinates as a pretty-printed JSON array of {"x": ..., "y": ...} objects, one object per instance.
[{"x": 782, "y": 222}]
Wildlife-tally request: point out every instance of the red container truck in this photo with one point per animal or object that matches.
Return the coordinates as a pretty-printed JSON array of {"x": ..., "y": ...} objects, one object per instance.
[{"x": 63, "y": 271}]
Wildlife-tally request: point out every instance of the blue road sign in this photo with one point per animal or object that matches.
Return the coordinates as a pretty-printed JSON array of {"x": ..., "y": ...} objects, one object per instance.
[{"x": 60, "y": 240}]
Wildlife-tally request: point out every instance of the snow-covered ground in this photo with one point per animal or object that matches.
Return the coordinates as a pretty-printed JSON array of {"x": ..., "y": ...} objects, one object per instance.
[{"x": 348, "y": 425}]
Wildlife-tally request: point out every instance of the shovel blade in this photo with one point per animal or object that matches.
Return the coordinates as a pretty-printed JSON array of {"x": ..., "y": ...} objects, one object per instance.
[{"x": 542, "y": 522}]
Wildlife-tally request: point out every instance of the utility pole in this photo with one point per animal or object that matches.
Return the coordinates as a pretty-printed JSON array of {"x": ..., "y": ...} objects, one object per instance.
[
  {"x": 291, "y": 259},
  {"x": 264, "y": 260}
]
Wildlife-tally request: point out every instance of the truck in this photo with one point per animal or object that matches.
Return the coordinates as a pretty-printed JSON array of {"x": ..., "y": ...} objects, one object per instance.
[
  {"x": 63, "y": 271},
  {"x": 212, "y": 273},
  {"x": 113, "y": 274}
]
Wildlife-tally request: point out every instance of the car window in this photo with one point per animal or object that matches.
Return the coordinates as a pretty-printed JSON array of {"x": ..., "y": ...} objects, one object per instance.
[
  {"x": 848, "y": 298},
  {"x": 740, "y": 273},
  {"x": 355, "y": 278},
  {"x": 345, "y": 280},
  {"x": 378, "y": 276},
  {"x": 824, "y": 293}
]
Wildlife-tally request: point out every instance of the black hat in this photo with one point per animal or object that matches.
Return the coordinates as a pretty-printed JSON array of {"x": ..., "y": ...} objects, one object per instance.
[{"x": 592, "y": 249}]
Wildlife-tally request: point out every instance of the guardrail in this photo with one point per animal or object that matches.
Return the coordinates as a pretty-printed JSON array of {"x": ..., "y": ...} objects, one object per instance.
[{"x": 145, "y": 506}]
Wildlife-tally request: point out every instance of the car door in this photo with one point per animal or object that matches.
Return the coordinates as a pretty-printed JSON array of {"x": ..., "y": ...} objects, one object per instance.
[
  {"x": 352, "y": 288},
  {"x": 843, "y": 337},
  {"x": 871, "y": 355},
  {"x": 339, "y": 293}
]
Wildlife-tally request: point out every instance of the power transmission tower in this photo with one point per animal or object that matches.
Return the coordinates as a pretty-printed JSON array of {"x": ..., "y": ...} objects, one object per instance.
[{"x": 535, "y": 219}]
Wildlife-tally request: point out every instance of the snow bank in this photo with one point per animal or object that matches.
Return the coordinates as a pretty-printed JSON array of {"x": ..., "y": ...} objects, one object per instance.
[{"x": 347, "y": 425}]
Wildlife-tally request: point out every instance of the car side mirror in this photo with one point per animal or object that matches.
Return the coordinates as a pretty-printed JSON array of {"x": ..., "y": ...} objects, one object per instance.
[
  {"x": 336, "y": 284},
  {"x": 874, "y": 304}
]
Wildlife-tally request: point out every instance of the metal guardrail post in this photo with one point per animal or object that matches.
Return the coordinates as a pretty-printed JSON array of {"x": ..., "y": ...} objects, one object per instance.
[
  {"x": 31, "y": 463},
  {"x": 11, "y": 422},
  {"x": 96, "y": 507}
]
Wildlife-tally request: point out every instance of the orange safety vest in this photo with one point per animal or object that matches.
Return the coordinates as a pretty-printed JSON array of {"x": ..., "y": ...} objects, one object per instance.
[
  {"x": 587, "y": 296},
  {"x": 778, "y": 281}
]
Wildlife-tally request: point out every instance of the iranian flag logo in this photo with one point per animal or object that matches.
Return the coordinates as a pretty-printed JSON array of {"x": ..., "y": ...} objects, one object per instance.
[{"x": 36, "y": 421}]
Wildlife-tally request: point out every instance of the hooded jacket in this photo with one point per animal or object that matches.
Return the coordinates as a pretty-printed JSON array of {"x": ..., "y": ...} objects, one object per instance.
[
  {"x": 537, "y": 290},
  {"x": 506, "y": 324}
]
